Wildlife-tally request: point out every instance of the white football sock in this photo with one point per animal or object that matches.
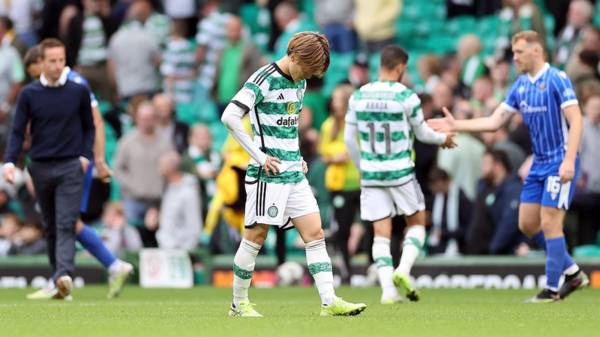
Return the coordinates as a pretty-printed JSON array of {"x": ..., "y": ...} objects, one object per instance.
[
  {"x": 243, "y": 267},
  {"x": 319, "y": 266},
  {"x": 383, "y": 259},
  {"x": 411, "y": 248}
]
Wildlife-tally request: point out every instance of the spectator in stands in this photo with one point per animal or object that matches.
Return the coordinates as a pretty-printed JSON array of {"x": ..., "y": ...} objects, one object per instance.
[
  {"x": 134, "y": 56},
  {"x": 516, "y": 16},
  {"x": 499, "y": 140},
  {"x": 23, "y": 13},
  {"x": 180, "y": 222},
  {"x": 341, "y": 177},
  {"x": 426, "y": 160},
  {"x": 182, "y": 11},
  {"x": 230, "y": 195},
  {"x": 136, "y": 168},
  {"x": 335, "y": 19},
  {"x": 201, "y": 160},
  {"x": 9, "y": 36},
  {"x": 451, "y": 75},
  {"x": 494, "y": 228},
  {"x": 358, "y": 74},
  {"x": 585, "y": 71},
  {"x": 469, "y": 56},
  {"x": 463, "y": 166},
  {"x": 236, "y": 62},
  {"x": 117, "y": 235},
  {"x": 587, "y": 201},
  {"x": 589, "y": 41},
  {"x": 449, "y": 212},
  {"x": 86, "y": 38},
  {"x": 579, "y": 18},
  {"x": 500, "y": 74},
  {"x": 29, "y": 240},
  {"x": 375, "y": 22},
  {"x": 178, "y": 66},
  {"x": 9, "y": 227},
  {"x": 290, "y": 22},
  {"x": 210, "y": 39},
  {"x": 156, "y": 23},
  {"x": 8, "y": 202},
  {"x": 442, "y": 97},
  {"x": 12, "y": 76},
  {"x": 482, "y": 97},
  {"x": 429, "y": 69},
  {"x": 166, "y": 122}
]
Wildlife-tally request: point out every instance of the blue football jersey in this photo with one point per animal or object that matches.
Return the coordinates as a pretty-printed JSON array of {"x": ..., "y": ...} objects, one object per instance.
[
  {"x": 75, "y": 77},
  {"x": 540, "y": 101}
]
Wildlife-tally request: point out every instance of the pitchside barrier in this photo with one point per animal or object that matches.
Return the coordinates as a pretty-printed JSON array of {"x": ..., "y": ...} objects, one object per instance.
[{"x": 174, "y": 269}]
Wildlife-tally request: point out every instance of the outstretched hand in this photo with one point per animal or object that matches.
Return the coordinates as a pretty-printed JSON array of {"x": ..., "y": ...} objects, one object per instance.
[
  {"x": 449, "y": 143},
  {"x": 446, "y": 124}
]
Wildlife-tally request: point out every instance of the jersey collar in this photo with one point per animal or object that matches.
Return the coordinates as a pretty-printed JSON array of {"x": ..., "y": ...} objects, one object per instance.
[
  {"x": 282, "y": 73},
  {"x": 61, "y": 80},
  {"x": 539, "y": 74}
]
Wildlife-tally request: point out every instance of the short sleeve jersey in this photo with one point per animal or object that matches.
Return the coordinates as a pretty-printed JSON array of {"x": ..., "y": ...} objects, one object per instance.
[{"x": 540, "y": 101}]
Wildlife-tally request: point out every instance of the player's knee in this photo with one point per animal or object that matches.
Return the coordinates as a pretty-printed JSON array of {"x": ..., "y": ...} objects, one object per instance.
[
  {"x": 256, "y": 235},
  {"x": 551, "y": 227},
  {"x": 312, "y": 235}
]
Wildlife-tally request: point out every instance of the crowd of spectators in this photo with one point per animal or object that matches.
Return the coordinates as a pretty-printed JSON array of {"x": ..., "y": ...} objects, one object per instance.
[{"x": 164, "y": 70}]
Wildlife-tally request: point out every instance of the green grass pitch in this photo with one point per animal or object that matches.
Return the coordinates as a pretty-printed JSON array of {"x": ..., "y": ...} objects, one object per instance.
[{"x": 294, "y": 312}]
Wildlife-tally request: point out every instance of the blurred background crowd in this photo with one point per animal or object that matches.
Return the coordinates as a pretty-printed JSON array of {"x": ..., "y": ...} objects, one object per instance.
[{"x": 163, "y": 72}]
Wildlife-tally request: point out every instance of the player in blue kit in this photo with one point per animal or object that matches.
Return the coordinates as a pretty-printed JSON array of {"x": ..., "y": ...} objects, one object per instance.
[
  {"x": 119, "y": 271},
  {"x": 546, "y": 99}
]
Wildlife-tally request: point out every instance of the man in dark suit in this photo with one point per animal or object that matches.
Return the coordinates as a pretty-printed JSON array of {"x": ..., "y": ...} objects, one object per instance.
[{"x": 62, "y": 136}]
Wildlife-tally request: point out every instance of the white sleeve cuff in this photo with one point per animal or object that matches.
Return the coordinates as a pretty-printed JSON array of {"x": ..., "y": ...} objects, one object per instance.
[
  {"x": 508, "y": 107},
  {"x": 569, "y": 103}
]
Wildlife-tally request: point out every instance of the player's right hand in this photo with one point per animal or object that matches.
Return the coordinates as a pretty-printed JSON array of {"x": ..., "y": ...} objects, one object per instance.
[
  {"x": 446, "y": 124},
  {"x": 449, "y": 143},
  {"x": 104, "y": 172},
  {"x": 272, "y": 165},
  {"x": 9, "y": 173}
]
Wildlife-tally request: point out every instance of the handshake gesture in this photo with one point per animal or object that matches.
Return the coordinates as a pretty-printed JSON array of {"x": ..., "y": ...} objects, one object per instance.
[{"x": 444, "y": 125}]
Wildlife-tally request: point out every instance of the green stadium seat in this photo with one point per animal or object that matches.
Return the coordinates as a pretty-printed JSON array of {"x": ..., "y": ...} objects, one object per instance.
[
  {"x": 337, "y": 72},
  {"x": 488, "y": 25},
  {"x": 462, "y": 25}
]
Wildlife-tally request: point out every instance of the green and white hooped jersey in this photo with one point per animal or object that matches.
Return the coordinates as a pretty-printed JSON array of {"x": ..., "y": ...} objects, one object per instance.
[
  {"x": 385, "y": 113},
  {"x": 274, "y": 101}
]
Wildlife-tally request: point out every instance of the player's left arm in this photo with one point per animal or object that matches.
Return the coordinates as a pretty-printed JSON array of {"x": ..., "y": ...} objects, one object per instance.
[
  {"x": 104, "y": 171},
  {"x": 567, "y": 168},
  {"x": 565, "y": 94}
]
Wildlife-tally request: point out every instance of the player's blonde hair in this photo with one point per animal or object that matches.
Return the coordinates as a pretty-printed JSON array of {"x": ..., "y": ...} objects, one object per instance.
[
  {"x": 311, "y": 50},
  {"x": 529, "y": 36}
]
